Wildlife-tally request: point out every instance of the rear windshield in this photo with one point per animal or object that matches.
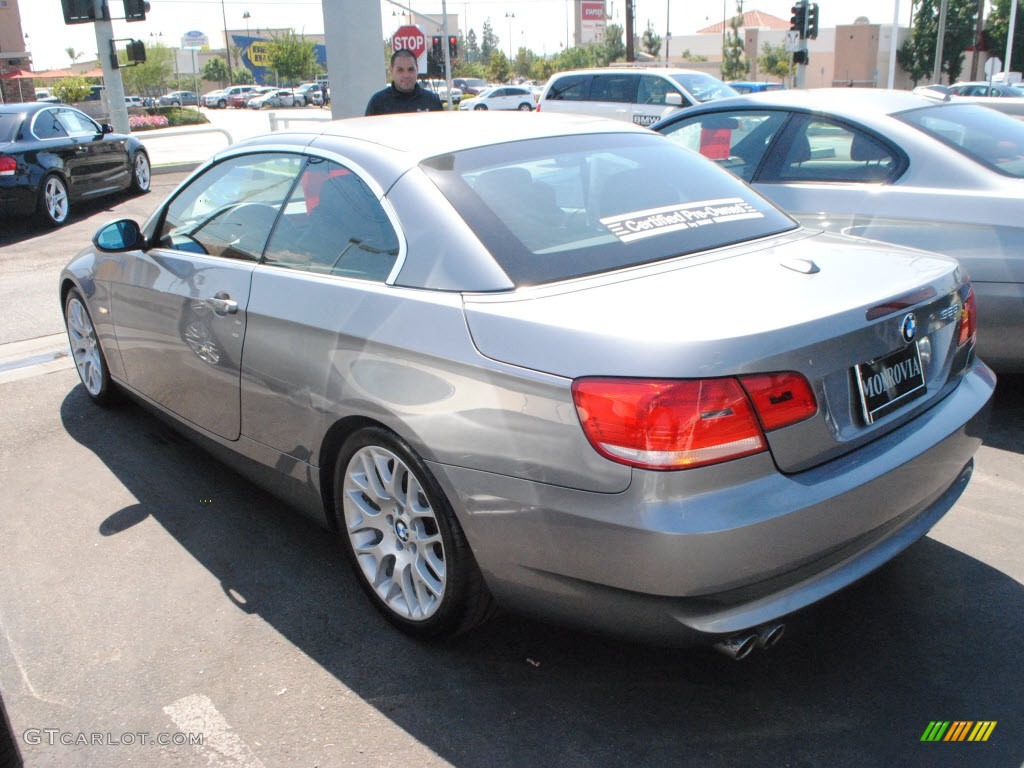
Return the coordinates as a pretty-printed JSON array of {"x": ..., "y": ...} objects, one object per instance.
[
  {"x": 704, "y": 87},
  {"x": 9, "y": 126},
  {"x": 556, "y": 208},
  {"x": 990, "y": 138}
]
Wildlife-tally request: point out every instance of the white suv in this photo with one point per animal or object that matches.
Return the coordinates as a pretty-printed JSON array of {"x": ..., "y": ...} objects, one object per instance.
[{"x": 641, "y": 96}]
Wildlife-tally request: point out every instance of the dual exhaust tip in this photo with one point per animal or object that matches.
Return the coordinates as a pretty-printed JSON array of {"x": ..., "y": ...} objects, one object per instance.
[{"x": 742, "y": 645}]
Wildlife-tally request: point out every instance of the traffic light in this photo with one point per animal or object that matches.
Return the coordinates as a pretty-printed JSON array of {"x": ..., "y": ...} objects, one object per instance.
[
  {"x": 136, "y": 52},
  {"x": 453, "y": 47},
  {"x": 135, "y": 10},
  {"x": 798, "y": 21},
  {"x": 435, "y": 47},
  {"x": 78, "y": 11},
  {"x": 812, "y": 21}
]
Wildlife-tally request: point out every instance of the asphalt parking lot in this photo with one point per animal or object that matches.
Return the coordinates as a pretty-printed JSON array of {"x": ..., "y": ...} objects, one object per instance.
[{"x": 156, "y": 609}]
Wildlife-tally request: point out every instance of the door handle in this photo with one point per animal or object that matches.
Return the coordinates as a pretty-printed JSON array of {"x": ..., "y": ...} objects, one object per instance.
[{"x": 223, "y": 304}]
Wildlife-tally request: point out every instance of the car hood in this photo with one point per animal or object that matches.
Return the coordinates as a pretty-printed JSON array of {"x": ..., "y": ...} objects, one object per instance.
[{"x": 790, "y": 303}]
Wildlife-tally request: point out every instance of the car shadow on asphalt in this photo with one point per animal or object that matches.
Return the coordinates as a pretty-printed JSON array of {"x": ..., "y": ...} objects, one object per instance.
[{"x": 934, "y": 635}]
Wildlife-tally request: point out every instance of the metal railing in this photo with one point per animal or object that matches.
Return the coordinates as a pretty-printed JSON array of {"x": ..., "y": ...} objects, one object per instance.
[
  {"x": 181, "y": 159},
  {"x": 277, "y": 122}
]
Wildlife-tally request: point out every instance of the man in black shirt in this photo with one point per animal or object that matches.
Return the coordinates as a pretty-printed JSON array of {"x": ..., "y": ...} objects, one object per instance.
[{"x": 404, "y": 94}]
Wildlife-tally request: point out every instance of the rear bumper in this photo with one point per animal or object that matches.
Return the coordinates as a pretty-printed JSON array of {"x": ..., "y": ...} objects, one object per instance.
[
  {"x": 17, "y": 198},
  {"x": 680, "y": 554}
]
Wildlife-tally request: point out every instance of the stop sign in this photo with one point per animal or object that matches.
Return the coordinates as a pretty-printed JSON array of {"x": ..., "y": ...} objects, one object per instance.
[{"x": 410, "y": 37}]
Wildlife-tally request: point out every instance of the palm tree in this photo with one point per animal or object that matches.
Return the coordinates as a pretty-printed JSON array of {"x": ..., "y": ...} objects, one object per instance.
[{"x": 73, "y": 54}]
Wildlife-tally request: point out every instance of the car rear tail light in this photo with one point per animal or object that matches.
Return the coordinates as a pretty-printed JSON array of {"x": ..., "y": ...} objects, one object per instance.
[
  {"x": 7, "y": 166},
  {"x": 968, "y": 325},
  {"x": 780, "y": 399},
  {"x": 667, "y": 423}
]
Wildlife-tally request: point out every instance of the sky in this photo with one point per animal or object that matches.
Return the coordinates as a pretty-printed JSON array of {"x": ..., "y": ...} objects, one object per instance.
[{"x": 538, "y": 24}]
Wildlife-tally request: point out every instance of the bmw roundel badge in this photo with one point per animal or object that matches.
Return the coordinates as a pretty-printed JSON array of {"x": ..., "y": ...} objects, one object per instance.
[{"x": 909, "y": 327}]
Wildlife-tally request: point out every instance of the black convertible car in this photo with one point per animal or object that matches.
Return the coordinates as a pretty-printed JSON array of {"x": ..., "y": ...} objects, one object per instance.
[{"x": 52, "y": 156}]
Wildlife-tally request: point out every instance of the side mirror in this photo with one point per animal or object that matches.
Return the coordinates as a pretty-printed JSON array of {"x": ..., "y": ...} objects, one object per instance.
[
  {"x": 107, "y": 128},
  {"x": 674, "y": 99},
  {"x": 118, "y": 236}
]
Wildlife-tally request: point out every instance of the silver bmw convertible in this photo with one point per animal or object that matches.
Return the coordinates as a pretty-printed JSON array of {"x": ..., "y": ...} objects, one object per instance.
[{"x": 551, "y": 363}]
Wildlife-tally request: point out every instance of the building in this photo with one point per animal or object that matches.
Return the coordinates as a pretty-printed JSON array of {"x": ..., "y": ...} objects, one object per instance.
[{"x": 15, "y": 59}]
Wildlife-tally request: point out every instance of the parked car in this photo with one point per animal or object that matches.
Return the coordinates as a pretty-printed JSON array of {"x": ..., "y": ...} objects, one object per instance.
[
  {"x": 641, "y": 96},
  {"x": 440, "y": 87},
  {"x": 235, "y": 96},
  {"x": 752, "y": 86},
  {"x": 767, "y": 415},
  {"x": 310, "y": 94},
  {"x": 179, "y": 99},
  {"x": 213, "y": 99},
  {"x": 274, "y": 98},
  {"x": 889, "y": 165},
  {"x": 470, "y": 86},
  {"x": 514, "y": 97},
  {"x": 985, "y": 88},
  {"x": 133, "y": 101},
  {"x": 53, "y": 157}
]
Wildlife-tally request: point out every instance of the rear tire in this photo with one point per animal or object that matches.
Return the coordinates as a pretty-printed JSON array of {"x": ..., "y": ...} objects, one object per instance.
[
  {"x": 524, "y": 107},
  {"x": 54, "y": 205},
  {"x": 404, "y": 542}
]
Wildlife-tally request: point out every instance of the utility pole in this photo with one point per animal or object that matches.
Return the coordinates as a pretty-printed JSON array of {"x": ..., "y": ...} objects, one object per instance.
[
  {"x": 107, "y": 53},
  {"x": 630, "y": 10},
  {"x": 940, "y": 39}
]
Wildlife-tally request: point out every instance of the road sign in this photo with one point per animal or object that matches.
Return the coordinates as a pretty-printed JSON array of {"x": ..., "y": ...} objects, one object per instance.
[
  {"x": 413, "y": 38},
  {"x": 992, "y": 67},
  {"x": 792, "y": 41}
]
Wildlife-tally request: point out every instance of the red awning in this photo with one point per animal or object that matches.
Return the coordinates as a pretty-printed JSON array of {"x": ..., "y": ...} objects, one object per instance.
[{"x": 17, "y": 74}]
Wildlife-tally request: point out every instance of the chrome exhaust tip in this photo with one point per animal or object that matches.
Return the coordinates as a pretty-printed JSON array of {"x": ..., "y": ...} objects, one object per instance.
[
  {"x": 738, "y": 646},
  {"x": 769, "y": 635}
]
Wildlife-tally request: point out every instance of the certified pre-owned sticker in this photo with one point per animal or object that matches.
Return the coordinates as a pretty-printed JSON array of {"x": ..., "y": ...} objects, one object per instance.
[{"x": 672, "y": 218}]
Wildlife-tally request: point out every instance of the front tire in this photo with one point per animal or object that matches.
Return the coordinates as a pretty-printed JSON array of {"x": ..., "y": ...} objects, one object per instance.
[
  {"x": 480, "y": 108},
  {"x": 405, "y": 544},
  {"x": 54, "y": 205},
  {"x": 222, "y": 104},
  {"x": 86, "y": 350},
  {"x": 142, "y": 173}
]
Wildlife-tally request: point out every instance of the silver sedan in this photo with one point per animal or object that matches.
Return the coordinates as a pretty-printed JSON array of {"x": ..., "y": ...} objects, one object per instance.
[
  {"x": 926, "y": 172},
  {"x": 560, "y": 365}
]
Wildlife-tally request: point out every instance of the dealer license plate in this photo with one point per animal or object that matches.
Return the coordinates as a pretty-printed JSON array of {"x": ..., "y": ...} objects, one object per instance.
[{"x": 890, "y": 382}]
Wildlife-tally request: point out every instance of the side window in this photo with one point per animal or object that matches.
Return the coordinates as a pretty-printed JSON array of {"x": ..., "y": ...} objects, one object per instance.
[
  {"x": 333, "y": 223},
  {"x": 77, "y": 124},
  {"x": 230, "y": 209},
  {"x": 653, "y": 90},
  {"x": 824, "y": 150},
  {"x": 737, "y": 141},
  {"x": 570, "y": 88},
  {"x": 614, "y": 88},
  {"x": 46, "y": 125}
]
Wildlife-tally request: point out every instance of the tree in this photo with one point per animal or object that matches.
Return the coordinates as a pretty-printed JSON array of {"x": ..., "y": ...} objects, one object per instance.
[
  {"x": 734, "y": 54},
  {"x": 775, "y": 60},
  {"x": 523, "y": 62},
  {"x": 578, "y": 57},
  {"x": 996, "y": 28},
  {"x": 488, "y": 42},
  {"x": 72, "y": 89},
  {"x": 917, "y": 54},
  {"x": 542, "y": 69},
  {"x": 216, "y": 70},
  {"x": 650, "y": 41},
  {"x": 472, "y": 51},
  {"x": 73, "y": 54},
  {"x": 152, "y": 76},
  {"x": 611, "y": 48},
  {"x": 292, "y": 57},
  {"x": 498, "y": 68}
]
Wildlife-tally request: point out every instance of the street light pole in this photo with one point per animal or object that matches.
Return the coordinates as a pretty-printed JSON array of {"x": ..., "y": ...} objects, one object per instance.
[
  {"x": 510, "y": 15},
  {"x": 227, "y": 42}
]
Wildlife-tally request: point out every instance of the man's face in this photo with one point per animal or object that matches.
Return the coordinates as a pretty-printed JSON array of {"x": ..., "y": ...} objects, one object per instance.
[{"x": 403, "y": 73}]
